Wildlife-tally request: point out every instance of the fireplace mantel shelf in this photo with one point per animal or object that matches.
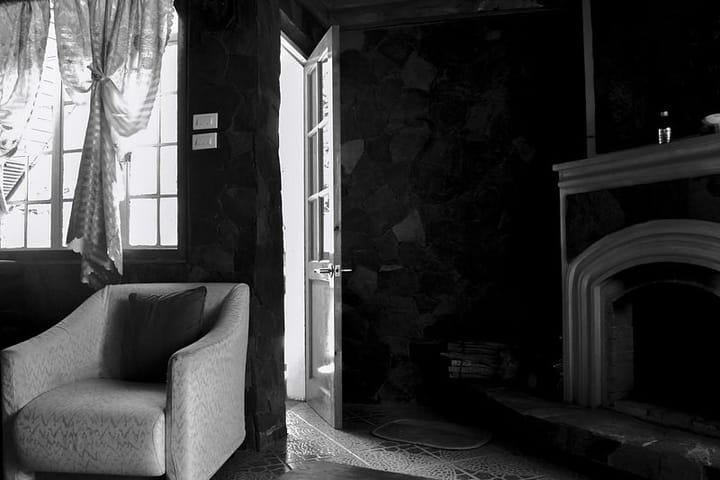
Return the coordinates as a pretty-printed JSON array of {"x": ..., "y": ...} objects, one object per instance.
[{"x": 685, "y": 158}]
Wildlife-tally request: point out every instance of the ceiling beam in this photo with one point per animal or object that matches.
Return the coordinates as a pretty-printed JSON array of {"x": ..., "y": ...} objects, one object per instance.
[
  {"x": 369, "y": 13},
  {"x": 319, "y": 9}
]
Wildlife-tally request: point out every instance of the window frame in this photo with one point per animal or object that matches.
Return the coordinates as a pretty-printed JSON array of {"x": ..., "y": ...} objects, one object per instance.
[{"x": 139, "y": 254}]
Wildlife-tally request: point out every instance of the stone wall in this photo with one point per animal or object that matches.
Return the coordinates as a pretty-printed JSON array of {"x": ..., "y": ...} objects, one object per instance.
[
  {"x": 233, "y": 211},
  {"x": 590, "y": 216},
  {"x": 450, "y": 210}
]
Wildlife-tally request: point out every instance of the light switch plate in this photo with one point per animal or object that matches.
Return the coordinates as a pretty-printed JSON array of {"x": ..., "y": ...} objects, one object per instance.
[
  {"x": 204, "y": 141},
  {"x": 205, "y": 121}
]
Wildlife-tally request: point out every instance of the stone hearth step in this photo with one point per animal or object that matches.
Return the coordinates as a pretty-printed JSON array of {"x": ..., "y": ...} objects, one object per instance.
[{"x": 609, "y": 438}]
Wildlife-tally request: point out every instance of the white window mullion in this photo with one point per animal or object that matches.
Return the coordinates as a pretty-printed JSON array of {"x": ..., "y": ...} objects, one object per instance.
[{"x": 56, "y": 240}]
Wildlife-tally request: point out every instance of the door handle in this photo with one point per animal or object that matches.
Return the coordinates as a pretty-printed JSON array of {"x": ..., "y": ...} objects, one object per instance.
[
  {"x": 339, "y": 271},
  {"x": 332, "y": 270}
]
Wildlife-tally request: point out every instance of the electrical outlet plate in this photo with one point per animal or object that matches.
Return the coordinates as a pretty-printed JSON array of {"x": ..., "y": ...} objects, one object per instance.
[
  {"x": 205, "y": 121},
  {"x": 204, "y": 141}
]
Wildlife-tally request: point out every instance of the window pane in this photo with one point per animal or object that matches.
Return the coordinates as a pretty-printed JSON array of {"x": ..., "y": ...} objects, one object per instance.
[
  {"x": 67, "y": 209},
  {"x": 12, "y": 228},
  {"x": 168, "y": 133},
  {"x": 143, "y": 221},
  {"x": 40, "y": 181},
  {"x": 74, "y": 126},
  {"x": 168, "y": 170},
  {"x": 38, "y": 226},
  {"x": 71, "y": 165},
  {"x": 168, "y": 222},
  {"x": 14, "y": 178},
  {"x": 143, "y": 171},
  {"x": 168, "y": 74},
  {"x": 149, "y": 136}
]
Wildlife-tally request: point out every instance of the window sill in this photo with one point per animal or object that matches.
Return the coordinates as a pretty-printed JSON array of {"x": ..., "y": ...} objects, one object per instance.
[{"x": 130, "y": 256}]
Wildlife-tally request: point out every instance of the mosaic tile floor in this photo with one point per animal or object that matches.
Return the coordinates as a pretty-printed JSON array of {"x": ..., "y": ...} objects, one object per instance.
[{"x": 310, "y": 438}]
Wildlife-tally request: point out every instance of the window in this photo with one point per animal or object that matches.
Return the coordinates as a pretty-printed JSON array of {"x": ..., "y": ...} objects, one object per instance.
[{"x": 39, "y": 180}]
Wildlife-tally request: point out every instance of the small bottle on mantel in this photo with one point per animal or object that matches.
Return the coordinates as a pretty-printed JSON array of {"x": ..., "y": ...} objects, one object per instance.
[{"x": 664, "y": 127}]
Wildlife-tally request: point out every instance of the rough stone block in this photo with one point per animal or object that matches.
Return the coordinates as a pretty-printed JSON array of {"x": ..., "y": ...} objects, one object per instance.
[
  {"x": 387, "y": 248},
  {"x": 396, "y": 280},
  {"x": 351, "y": 153},
  {"x": 410, "y": 229},
  {"x": 408, "y": 142},
  {"x": 418, "y": 72},
  {"x": 352, "y": 40},
  {"x": 363, "y": 282}
]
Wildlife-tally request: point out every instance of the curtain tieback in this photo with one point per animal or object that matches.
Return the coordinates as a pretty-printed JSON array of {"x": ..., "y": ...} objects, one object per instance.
[{"x": 97, "y": 74}]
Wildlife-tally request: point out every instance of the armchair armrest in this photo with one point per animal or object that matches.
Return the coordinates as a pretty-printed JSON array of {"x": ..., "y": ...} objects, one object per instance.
[
  {"x": 206, "y": 394},
  {"x": 67, "y": 352}
]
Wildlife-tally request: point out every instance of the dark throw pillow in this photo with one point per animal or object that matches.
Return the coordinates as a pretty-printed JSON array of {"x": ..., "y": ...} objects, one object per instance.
[{"x": 158, "y": 326}]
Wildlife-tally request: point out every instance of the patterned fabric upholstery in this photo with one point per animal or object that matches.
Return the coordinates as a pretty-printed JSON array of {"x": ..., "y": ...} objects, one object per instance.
[
  {"x": 95, "y": 426},
  {"x": 204, "y": 398}
]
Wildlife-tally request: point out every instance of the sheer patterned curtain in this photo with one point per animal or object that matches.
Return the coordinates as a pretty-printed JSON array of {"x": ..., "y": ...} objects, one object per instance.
[
  {"x": 23, "y": 37},
  {"x": 112, "y": 49}
]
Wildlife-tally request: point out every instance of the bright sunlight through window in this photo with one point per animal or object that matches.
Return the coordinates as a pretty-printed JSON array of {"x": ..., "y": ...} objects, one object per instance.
[{"x": 40, "y": 178}]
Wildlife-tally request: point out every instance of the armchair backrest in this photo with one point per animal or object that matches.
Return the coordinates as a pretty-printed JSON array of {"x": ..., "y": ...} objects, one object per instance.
[{"x": 116, "y": 298}]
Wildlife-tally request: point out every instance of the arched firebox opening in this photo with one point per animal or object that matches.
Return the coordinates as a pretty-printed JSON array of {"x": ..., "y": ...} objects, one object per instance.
[{"x": 661, "y": 335}]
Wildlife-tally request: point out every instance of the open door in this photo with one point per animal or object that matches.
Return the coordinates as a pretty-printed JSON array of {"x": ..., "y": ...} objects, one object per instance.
[{"x": 323, "y": 299}]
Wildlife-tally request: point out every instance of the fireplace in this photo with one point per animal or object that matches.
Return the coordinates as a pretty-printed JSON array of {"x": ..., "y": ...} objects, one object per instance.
[
  {"x": 662, "y": 333},
  {"x": 641, "y": 280}
]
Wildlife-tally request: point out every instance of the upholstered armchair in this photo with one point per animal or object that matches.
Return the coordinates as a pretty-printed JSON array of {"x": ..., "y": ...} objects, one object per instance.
[{"x": 67, "y": 407}]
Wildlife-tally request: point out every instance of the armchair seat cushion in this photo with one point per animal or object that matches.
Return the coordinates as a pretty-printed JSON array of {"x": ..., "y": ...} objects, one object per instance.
[{"x": 95, "y": 426}]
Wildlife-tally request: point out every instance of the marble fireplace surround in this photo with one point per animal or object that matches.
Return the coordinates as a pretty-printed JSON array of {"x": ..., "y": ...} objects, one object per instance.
[{"x": 587, "y": 278}]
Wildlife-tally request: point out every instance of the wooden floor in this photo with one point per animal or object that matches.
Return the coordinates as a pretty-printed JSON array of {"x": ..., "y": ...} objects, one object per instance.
[{"x": 336, "y": 471}]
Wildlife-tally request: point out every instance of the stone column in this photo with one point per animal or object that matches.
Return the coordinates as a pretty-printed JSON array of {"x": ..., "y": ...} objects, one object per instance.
[{"x": 235, "y": 217}]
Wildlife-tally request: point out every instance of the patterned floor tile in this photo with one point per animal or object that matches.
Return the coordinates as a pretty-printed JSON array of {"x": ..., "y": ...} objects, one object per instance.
[
  {"x": 460, "y": 455},
  {"x": 254, "y": 476},
  {"x": 401, "y": 458},
  {"x": 504, "y": 466},
  {"x": 311, "y": 439},
  {"x": 245, "y": 469},
  {"x": 346, "y": 459},
  {"x": 250, "y": 459}
]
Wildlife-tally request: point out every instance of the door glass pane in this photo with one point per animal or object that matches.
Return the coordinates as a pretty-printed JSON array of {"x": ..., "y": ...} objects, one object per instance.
[
  {"x": 67, "y": 209},
  {"x": 38, "y": 226},
  {"x": 40, "y": 178},
  {"x": 168, "y": 222},
  {"x": 74, "y": 125},
  {"x": 168, "y": 170},
  {"x": 326, "y": 86},
  {"x": 12, "y": 228},
  {"x": 168, "y": 129},
  {"x": 143, "y": 171},
  {"x": 327, "y": 228},
  {"x": 71, "y": 165},
  {"x": 327, "y": 158},
  {"x": 311, "y": 89},
  {"x": 312, "y": 160},
  {"x": 314, "y": 239},
  {"x": 143, "y": 221}
]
